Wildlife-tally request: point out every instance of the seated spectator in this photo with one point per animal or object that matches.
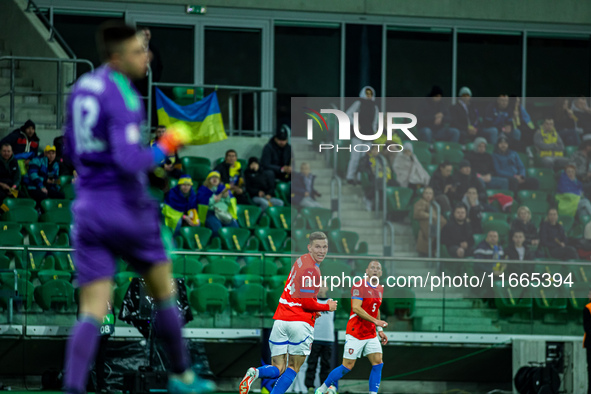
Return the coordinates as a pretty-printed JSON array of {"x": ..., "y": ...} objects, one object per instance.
[
  {"x": 456, "y": 235},
  {"x": 549, "y": 146},
  {"x": 42, "y": 179},
  {"x": 181, "y": 205},
  {"x": 524, "y": 225},
  {"x": 10, "y": 173},
  {"x": 522, "y": 121},
  {"x": 582, "y": 161},
  {"x": 582, "y": 112},
  {"x": 169, "y": 167},
  {"x": 517, "y": 250},
  {"x": 421, "y": 214},
  {"x": 369, "y": 166},
  {"x": 302, "y": 188},
  {"x": 218, "y": 199},
  {"x": 260, "y": 186},
  {"x": 465, "y": 118},
  {"x": 24, "y": 141},
  {"x": 565, "y": 122},
  {"x": 569, "y": 184},
  {"x": 409, "y": 171},
  {"x": 489, "y": 249},
  {"x": 231, "y": 174},
  {"x": 442, "y": 185},
  {"x": 464, "y": 179},
  {"x": 499, "y": 122},
  {"x": 432, "y": 118},
  {"x": 276, "y": 157},
  {"x": 474, "y": 209},
  {"x": 508, "y": 165},
  {"x": 553, "y": 238},
  {"x": 483, "y": 166}
]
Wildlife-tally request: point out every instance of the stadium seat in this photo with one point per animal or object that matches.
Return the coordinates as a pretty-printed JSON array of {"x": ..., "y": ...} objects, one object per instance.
[
  {"x": 425, "y": 157},
  {"x": 431, "y": 168},
  {"x": 238, "y": 239},
  {"x": 198, "y": 238},
  {"x": 46, "y": 234},
  {"x": 256, "y": 266},
  {"x": 172, "y": 183},
  {"x": 10, "y": 236},
  {"x": 524, "y": 159},
  {"x": 273, "y": 240},
  {"x": 223, "y": 266},
  {"x": 245, "y": 279},
  {"x": 512, "y": 301},
  {"x": 419, "y": 145},
  {"x": 551, "y": 305},
  {"x": 569, "y": 150},
  {"x": 545, "y": 176},
  {"x": 197, "y": 172},
  {"x": 10, "y": 226},
  {"x": 443, "y": 146},
  {"x": 125, "y": 277},
  {"x": 21, "y": 214},
  {"x": 401, "y": 300},
  {"x": 447, "y": 151},
  {"x": 280, "y": 217},
  {"x": 536, "y": 201},
  {"x": 581, "y": 274},
  {"x": 566, "y": 222},
  {"x": 273, "y": 296},
  {"x": 67, "y": 187},
  {"x": 156, "y": 193},
  {"x": 492, "y": 192},
  {"x": 345, "y": 242},
  {"x": 47, "y": 275},
  {"x": 209, "y": 297},
  {"x": 333, "y": 267},
  {"x": 202, "y": 279},
  {"x": 500, "y": 226},
  {"x": 19, "y": 202},
  {"x": 477, "y": 239},
  {"x": 8, "y": 276},
  {"x": 320, "y": 218},
  {"x": 489, "y": 216},
  {"x": 64, "y": 261},
  {"x": 248, "y": 216},
  {"x": 186, "y": 265},
  {"x": 283, "y": 191},
  {"x": 248, "y": 298},
  {"x": 276, "y": 281},
  {"x": 469, "y": 147},
  {"x": 399, "y": 200},
  {"x": 25, "y": 293},
  {"x": 62, "y": 217},
  {"x": 188, "y": 161},
  {"x": 54, "y": 294}
]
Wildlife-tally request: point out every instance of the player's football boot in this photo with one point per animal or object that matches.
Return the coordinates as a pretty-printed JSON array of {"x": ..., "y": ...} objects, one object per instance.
[{"x": 251, "y": 375}]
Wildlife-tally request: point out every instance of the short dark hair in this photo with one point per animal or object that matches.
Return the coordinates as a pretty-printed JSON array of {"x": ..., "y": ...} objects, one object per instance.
[
  {"x": 160, "y": 126},
  {"x": 230, "y": 151},
  {"x": 316, "y": 236},
  {"x": 552, "y": 209},
  {"x": 109, "y": 37},
  {"x": 517, "y": 231},
  {"x": 460, "y": 206},
  {"x": 5, "y": 144},
  {"x": 444, "y": 164}
]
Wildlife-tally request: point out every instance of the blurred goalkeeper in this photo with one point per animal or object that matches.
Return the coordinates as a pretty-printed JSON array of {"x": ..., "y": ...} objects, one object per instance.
[{"x": 102, "y": 136}]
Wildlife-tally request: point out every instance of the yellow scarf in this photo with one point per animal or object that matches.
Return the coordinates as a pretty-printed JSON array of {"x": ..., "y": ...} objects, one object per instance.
[{"x": 550, "y": 137}]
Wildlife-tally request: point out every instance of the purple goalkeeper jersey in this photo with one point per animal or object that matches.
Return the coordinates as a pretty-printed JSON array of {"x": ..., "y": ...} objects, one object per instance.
[{"x": 103, "y": 138}]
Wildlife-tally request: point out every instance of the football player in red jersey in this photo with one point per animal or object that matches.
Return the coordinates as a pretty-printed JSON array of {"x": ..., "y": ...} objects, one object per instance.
[
  {"x": 293, "y": 330},
  {"x": 365, "y": 335}
]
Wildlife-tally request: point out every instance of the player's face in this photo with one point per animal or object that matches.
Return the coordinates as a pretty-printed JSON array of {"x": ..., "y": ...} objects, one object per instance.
[
  {"x": 374, "y": 269},
  {"x": 318, "y": 249},
  {"x": 133, "y": 58}
]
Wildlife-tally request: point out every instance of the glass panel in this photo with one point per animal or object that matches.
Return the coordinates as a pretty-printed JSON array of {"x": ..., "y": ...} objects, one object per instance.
[
  {"x": 489, "y": 64},
  {"x": 416, "y": 55},
  {"x": 232, "y": 56},
  {"x": 558, "y": 66},
  {"x": 363, "y": 58}
]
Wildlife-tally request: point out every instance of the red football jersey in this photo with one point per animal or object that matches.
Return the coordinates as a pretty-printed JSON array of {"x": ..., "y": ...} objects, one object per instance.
[
  {"x": 298, "y": 300},
  {"x": 371, "y": 298}
]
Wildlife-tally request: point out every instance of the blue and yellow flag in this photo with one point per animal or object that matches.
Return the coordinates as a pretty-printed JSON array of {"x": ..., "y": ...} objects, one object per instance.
[{"x": 203, "y": 117}]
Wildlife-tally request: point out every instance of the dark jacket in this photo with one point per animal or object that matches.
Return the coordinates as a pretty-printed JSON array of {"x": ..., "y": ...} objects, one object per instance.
[
  {"x": 224, "y": 169},
  {"x": 496, "y": 117},
  {"x": 427, "y": 111},
  {"x": 257, "y": 181},
  {"x": 10, "y": 172},
  {"x": 485, "y": 251},
  {"x": 23, "y": 147},
  {"x": 464, "y": 182},
  {"x": 275, "y": 157},
  {"x": 511, "y": 253},
  {"x": 529, "y": 230},
  {"x": 549, "y": 235},
  {"x": 587, "y": 325},
  {"x": 298, "y": 188},
  {"x": 438, "y": 182},
  {"x": 508, "y": 164},
  {"x": 453, "y": 234},
  {"x": 461, "y": 119},
  {"x": 40, "y": 171},
  {"x": 482, "y": 163}
]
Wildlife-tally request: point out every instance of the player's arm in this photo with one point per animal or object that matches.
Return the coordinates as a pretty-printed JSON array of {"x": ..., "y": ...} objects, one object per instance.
[
  {"x": 306, "y": 292},
  {"x": 356, "y": 306},
  {"x": 380, "y": 330}
]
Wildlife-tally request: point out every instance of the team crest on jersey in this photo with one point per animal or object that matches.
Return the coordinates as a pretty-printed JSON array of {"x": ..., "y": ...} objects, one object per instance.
[
  {"x": 350, "y": 351},
  {"x": 355, "y": 292}
]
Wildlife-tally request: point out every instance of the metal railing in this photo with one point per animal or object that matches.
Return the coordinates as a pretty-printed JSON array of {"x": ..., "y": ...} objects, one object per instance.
[
  {"x": 380, "y": 185},
  {"x": 58, "y": 93},
  {"x": 336, "y": 187},
  {"x": 438, "y": 234},
  {"x": 53, "y": 33}
]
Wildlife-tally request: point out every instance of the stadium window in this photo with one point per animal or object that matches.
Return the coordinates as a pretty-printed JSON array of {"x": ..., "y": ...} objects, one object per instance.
[
  {"x": 363, "y": 58},
  {"x": 312, "y": 70},
  {"x": 489, "y": 63},
  {"x": 423, "y": 56},
  {"x": 558, "y": 66}
]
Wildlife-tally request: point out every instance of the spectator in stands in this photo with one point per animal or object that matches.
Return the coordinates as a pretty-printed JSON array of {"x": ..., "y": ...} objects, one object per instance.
[
  {"x": 549, "y": 146},
  {"x": 302, "y": 188},
  {"x": 568, "y": 183},
  {"x": 231, "y": 175},
  {"x": 42, "y": 180},
  {"x": 409, "y": 170},
  {"x": 566, "y": 122},
  {"x": 369, "y": 165},
  {"x": 508, "y": 165},
  {"x": 517, "y": 250},
  {"x": 497, "y": 118},
  {"x": 214, "y": 195},
  {"x": 474, "y": 209},
  {"x": 524, "y": 224},
  {"x": 464, "y": 179},
  {"x": 489, "y": 249},
  {"x": 24, "y": 141},
  {"x": 553, "y": 238},
  {"x": 457, "y": 234},
  {"x": 181, "y": 201},
  {"x": 66, "y": 165},
  {"x": 582, "y": 161},
  {"x": 421, "y": 214},
  {"x": 443, "y": 186},
  {"x": 582, "y": 112},
  {"x": 260, "y": 185},
  {"x": 170, "y": 167},
  {"x": 483, "y": 166},
  {"x": 521, "y": 121},
  {"x": 432, "y": 116},
  {"x": 368, "y": 118},
  {"x": 465, "y": 118},
  {"x": 10, "y": 173},
  {"x": 276, "y": 157}
]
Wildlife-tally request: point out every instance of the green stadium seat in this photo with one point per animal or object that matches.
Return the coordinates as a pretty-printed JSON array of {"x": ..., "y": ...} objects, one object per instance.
[
  {"x": 276, "y": 281},
  {"x": 202, "y": 279},
  {"x": 333, "y": 267},
  {"x": 197, "y": 172},
  {"x": 273, "y": 240},
  {"x": 492, "y": 192},
  {"x": 65, "y": 179},
  {"x": 536, "y": 201},
  {"x": 489, "y": 216},
  {"x": 510, "y": 301},
  {"x": 125, "y": 277},
  {"x": 10, "y": 236},
  {"x": 8, "y": 277},
  {"x": 248, "y": 216},
  {"x": 447, "y": 151},
  {"x": 469, "y": 147},
  {"x": 54, "y": 294},
  {"x": 552, "y": 307},
  {"x": 198, "y": 238},
  {"x": 10, "y": 226},
  {"x": 63, "y": 217},
  {"x": 345, "y": 242},
  {"x": 248, "y": 298},
  {"x": 320, "y": 218},
  {"x": 186, "y": 265},
  {"x": 21, "y": 214},
  {"x": 431, "y": 168},
  {"x": 48, "y": 275},
  {"x": 238, "y": 239},
  {"x": 283, "y": 191},
  {"x": 157, "y": 194},
  {"x": 444, "y": 146},
  {"x": 300, "y": 237},
  {"x": 567, "y": 222},
  {"x": 256, "y": 266},
  {"x": 273, "y": 296},
  {"x": 545, "y": 176},
  {"x": 46, "y": 234},
  {"x": 64, "y": 261},
  {"x": 399, "y": 200},
  {"x": 569, "y": 150},
  {"x": 25, "y": 293},
  {"x": 401, "y": 301},
  {"x": 19, "y": 202},
  {"x": 223, "y": 266},
  {"x": 524, "y": 159},
  {"x": 280, "y": 217},
  {"x": 172, "y": 183},
  {"x": 425, "y": 157},
  {"x": 419, "y": 145},
  {"x": 531, "y": 195},
  {"x": 581, "y": 274},
  {"x": 188, "y": 161},
  {"x": 245, "y": 279},
  {"x": 209, "y": 297},
  {"x": 500, "y": 226},
  {"x": 477, "y": 239}
]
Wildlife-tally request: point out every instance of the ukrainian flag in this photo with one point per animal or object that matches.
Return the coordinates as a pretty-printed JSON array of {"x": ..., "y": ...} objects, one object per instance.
[{"x": 203, "y": 117}]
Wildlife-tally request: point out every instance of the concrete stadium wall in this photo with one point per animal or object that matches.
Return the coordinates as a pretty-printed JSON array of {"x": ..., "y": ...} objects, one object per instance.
[{"x": 245, "y": 147}]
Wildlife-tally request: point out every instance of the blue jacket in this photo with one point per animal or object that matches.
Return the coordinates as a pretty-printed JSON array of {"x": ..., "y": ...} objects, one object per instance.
[
  {"x": 204, "y": 194},
  {"x": 179, "y": 202},
  {"x": 566, "y": 185},
  {"x": 508, "y": 164},
  {"x": 40, "y": 171},
  {"x": 485, "y": 251},
  {"x": 495, "y": 117}
]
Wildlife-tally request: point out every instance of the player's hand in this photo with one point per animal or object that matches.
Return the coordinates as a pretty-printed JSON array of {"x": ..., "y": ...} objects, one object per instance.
[
  {"x": 381, "y": 323},
  {"x": 332, "y": 305},
  {"x": 383, "y": 337}
]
